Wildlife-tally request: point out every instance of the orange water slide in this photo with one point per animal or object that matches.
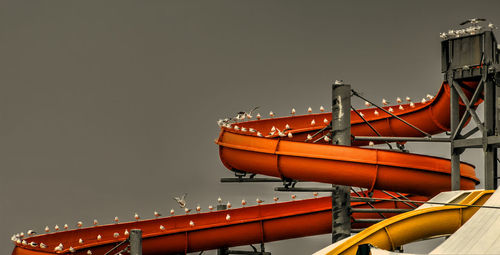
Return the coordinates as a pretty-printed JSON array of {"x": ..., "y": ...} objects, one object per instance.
[
  {"x": 205, "y": 231},
  {"x": 252, "y": 147},
  {"x": 280, "y": 147}
]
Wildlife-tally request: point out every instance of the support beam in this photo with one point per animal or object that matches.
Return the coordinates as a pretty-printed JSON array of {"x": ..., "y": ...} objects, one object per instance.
[
  {"x": 454, "y": 128},
  {"x": 341, "y": 135},
  {"x": 223, "y": 250},
  {"x": 380, "y": 210},
  {"x": 135, "y": 242},
  {"x": 490, "y": 152},
  {"x": 232, "y": 179},
  {"x": 304, "y": 189},
  {"x": 402, "y": 139}
]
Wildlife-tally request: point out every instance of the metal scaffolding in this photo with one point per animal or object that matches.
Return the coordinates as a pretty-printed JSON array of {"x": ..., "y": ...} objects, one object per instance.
[{"x": 465, "y": 59}]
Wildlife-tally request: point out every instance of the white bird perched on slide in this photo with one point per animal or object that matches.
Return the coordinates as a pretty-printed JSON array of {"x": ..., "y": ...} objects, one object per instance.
[{"x": 181, "y": 200}]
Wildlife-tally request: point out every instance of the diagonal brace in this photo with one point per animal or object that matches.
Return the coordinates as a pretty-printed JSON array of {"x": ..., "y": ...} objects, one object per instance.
[{"x": 468, "y": 105}]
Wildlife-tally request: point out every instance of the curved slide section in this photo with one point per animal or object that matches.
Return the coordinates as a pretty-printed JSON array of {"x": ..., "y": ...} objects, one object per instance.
[
  {"x": 204, "y": 231},
  {"x": 344, "y": 165},
  {"x": 411, "y": 226},
  {"x": 280, "y": 147}
]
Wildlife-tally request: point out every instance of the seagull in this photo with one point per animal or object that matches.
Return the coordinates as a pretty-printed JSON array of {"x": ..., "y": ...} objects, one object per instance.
[
  {"x": 309, "y": 110},
  {"x": 293, "y": 111},
  {"x": 31, "y": 232},
  {"x": 399, "y": 100},
  {"x": 181, "y": 200},
  {"x": 219, "y": 200},
  {"x": 157, "y": 214},
  {"x": 116, "y": 235},
  {"x": 136, "y": 216},
  {"x": 472, "y": 21},
  {"x": 321, "y": 109},
  {"x": 116, "y": 219},
  {"x": 228, "y": 217},
  {"x": 250, "y": 113}
]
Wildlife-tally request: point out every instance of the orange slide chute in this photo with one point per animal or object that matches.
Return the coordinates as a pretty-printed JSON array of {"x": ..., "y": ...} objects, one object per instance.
[
  {"x": 280, "y": 147},
  {"x": 257, "y": 147},
  {"x": 205, "y": 231}
]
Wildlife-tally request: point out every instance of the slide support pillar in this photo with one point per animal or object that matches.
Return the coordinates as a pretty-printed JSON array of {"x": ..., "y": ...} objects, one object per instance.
[
  {"x": 135, "y": 242},
  {"x": 223, "y": 250},
  {"x": 341, "y": 135},
  {"x": 490, "y": 151},
  {"x": 454, "y": 122}
]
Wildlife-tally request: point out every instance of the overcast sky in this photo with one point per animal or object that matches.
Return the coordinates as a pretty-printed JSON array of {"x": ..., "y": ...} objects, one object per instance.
[{"x": 109, "y": 107}]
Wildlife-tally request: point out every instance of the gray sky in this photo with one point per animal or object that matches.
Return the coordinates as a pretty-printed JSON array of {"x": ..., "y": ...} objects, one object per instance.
[{"x": 108, "y": 107}]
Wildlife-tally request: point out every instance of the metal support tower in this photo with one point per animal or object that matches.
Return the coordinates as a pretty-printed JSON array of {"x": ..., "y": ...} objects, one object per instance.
[
  {"x": 341, "y": 135},
  {"x": 465, "y": 59}
]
